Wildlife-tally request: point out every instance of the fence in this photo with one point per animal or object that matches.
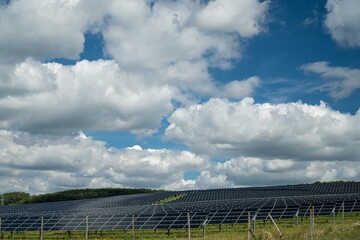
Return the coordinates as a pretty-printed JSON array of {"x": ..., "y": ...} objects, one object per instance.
[{"x": 244, "y": 224}]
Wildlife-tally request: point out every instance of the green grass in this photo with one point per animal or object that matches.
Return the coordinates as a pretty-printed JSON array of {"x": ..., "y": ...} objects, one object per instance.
[
  {"x": 324, "y": 230},
  {"x": 170, "y": 199}
]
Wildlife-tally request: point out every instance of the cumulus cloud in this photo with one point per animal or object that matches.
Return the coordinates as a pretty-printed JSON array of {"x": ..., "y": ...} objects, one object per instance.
[
  {"x": 162, "y": 35},
  {"x": 160, "y": 56},
  {"x": 99, "y": 95},
  {"x": 88, "y": 95},
  {"x": 343, "y": 80},
  {"x": 239, "y": 89},
  {"x": 168, "y": 32},
  {"x": 244, "y": 17},
  {"x": 342, "y": 21},
  {"x": 187, "y": 76},
  {"x": 136, "y": 33},
  {"x": 250, "y": 171},
  {"x": 46, "y": 29},
  {"x": 45, "y": 163},
  {"x": 40, "y": 163},
  {"x": 243, "y": 171},
  {"x": 269, "y": 131}
]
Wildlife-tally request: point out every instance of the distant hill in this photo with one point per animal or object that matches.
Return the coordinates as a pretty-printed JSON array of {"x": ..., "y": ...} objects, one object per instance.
[{"x": 75, "y": 194}]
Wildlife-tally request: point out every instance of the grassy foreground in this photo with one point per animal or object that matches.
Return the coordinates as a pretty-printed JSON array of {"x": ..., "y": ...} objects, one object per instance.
[{"x": 324, "y": 229}]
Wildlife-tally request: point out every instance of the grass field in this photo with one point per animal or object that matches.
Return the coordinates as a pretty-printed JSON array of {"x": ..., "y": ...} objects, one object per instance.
[{"x": 324, "y": 229}]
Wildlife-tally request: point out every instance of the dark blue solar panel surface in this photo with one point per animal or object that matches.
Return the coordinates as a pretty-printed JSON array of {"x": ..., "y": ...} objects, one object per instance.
[{"x": 217, "y": 206}]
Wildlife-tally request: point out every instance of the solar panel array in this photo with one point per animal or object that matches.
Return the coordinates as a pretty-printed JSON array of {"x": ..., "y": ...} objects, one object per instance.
[{"x": 217, "y": 206}]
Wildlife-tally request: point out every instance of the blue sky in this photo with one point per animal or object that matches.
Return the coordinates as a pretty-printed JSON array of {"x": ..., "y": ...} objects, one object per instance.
[{"x": 178, "y": 94}]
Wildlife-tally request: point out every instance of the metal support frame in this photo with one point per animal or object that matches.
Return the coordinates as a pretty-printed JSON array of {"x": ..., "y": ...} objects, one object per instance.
[
  {"x": 133, "y": 226},
  {"x": 343, "y": 215},
  {"x": 41, "y": 227},
  {"x": 297, "y": 217},
  {"x": 204, "y": 227},
  {"x": 312, "y": 223},
  {"x": 189, "y": 225},
  {"x": 276, "y": 226}
]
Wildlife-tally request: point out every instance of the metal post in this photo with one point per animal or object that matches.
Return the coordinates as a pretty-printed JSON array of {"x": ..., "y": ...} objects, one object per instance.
[
  {"x": 297, "y": 218},
  {"x": 343, "y": 215},
  {"x": 86, "y": 227},
  {"x": 189, "y": 227},
  {"x": 249, "y": 225},
  {"x": 333, "y": 215},
  {"x": 312, "y": 223},
  {"x": 133, "y": 226},
  {"x": 204, "y": 225},
  {"x": 0, "y": 229},
  {"x": 41, "y": 227},
  {"x": 254, "y": 222}
]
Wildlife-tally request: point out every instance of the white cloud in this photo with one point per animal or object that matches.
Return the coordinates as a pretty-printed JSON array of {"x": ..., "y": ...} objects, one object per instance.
[
  {"x": 270, "y": 131},
  {"x": 250, "y": 171},
  {"x": 342, "y": 21},
  {"x": 100, "y": 95},
  {"x": 343, "y": 80},
  {"x": 88, "y": 95},
  {"x": 25, "y": 78},
  {"x": 40, "y": 163},
  {"x": 46, "y": 163},
  {"x": 46, "y": 29},
  {"x": 244, "y": 17},
  {"x": 160, "y": 57},
  {"x": 240, "y": 89},
  {"x": 154, "y": 38},
  {"x": 243, "y": 171},
  {"x": 188, "y": 76}
]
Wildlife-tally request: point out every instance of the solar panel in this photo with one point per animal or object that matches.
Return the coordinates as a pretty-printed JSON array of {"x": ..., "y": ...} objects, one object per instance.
[{"x": 216, "y": 206}]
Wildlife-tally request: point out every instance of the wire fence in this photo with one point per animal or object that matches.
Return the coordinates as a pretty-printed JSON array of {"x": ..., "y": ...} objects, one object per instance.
[{"x": 217, "y": 225}]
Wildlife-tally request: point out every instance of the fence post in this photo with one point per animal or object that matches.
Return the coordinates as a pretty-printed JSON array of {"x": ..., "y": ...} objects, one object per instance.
[
  {"x": 204, "y": 225},
  {"x": 41, "y": 227},
  {"x": 312, "y": 209},
  {"x": 133, "y": 226},
  {"x": 189, "y": 227},
  {"x": 297, "y": 217},
  {"x": 254, "y": 222},
  {"x": 86, "y": 227},
  {"x": 343, "y": 216},
  {"x": 0, "y": 230},
  {"x": 249, "y": 225},
  {"x": 333, "y": 215}
]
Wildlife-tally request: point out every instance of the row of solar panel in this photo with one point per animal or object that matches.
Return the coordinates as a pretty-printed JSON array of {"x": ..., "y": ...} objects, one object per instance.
[
  {"x": 275, "y": 191},
  {"x": 166, "y": 221},
  {"x": 190, "y": 196},
  {"x": 80, "y": 205},
  {"x": 178, "y": 207}
]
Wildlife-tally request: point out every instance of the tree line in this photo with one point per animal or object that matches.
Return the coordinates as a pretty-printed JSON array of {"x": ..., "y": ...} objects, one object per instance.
[{"x": 74, "y": 194}]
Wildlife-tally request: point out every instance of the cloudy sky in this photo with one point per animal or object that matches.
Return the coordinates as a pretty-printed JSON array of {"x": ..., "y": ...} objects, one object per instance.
[{"x": 178, "y": 94}]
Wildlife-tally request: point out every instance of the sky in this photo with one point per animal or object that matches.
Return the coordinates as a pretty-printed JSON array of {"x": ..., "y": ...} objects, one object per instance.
[{"x": 178, "y": 95}]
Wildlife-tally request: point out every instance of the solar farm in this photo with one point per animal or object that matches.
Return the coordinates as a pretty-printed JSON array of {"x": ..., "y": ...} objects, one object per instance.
[{"x": 174, "y": 210}]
